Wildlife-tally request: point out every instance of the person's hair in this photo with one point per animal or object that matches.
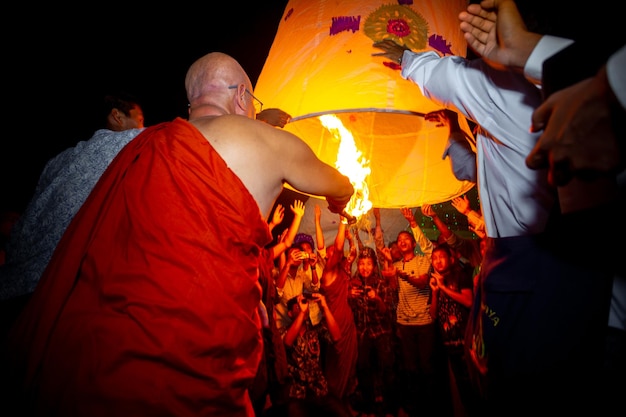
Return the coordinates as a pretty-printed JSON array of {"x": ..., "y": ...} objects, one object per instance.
[
  {"x": 291, "y": 302},
  {"x": 303, "y": 238},
  {"x": 120, "y": 100},
  {"x": 444, "y": 247},
  {"x": 407, "y": 233},
  {"x": 368, "y": 252}
]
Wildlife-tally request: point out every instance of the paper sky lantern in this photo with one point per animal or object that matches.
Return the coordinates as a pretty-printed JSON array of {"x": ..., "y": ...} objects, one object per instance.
[{"x": 321, "y": 63}]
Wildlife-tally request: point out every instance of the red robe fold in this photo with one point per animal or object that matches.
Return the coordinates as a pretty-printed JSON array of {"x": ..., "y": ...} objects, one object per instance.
[{"x": 149, "y": 304}]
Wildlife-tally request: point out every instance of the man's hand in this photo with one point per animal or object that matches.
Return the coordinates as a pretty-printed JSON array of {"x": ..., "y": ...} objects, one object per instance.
[
  {"x": 440, "y": 117},
  {"x": 495, "y": 30},
  {"x": 579, "y": 138},
  {"x": 391, "y": 50},
  {"x": 274, "y": 117},
  {"x": 336, "y": 206}
]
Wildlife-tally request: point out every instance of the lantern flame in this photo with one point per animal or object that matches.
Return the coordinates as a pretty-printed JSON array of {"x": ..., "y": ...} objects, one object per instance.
[{"x": 351, "y": 163}]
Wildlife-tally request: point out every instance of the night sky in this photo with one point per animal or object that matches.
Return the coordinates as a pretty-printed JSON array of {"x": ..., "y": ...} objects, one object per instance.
[{"x": 58, "y": 69}]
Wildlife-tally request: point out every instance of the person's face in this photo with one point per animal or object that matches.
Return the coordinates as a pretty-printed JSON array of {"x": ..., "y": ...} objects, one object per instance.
[
  {"x": 306, "y": 247},
  {"x": 396, "y": 254},
  {"x": 295, "y": 310},
  {"x": 441, "y": 261},
  {"x": 405, "y": 243},
  {"x": 135, "y": 120},
  {"x": 365, "y": 267},
  {"x": 136, "y": 117}
]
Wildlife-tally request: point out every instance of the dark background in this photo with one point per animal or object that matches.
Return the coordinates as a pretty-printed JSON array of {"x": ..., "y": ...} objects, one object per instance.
[{"x": 60, "y": 60}]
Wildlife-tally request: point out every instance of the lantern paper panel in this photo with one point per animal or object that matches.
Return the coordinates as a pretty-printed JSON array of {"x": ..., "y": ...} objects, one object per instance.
[{"x": 321, "y": 63}]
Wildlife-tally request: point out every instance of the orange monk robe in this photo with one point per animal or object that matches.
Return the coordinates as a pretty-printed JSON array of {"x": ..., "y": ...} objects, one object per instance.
[{"x": 149, "y": 305}]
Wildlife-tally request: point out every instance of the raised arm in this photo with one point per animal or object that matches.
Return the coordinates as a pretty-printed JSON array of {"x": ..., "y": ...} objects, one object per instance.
[
  {"x": 331, "y": 323},
  {"x": 298, "y": 322},
  {"x": 307, "y": 173},
  {"x": 319, "y": 233},
  {"x": 277, "y": 217},
  {"x": 474, "y": 218},
  {"x": 297, "y": 208},
  {"x": 459, "y": 147},
  {"x": 379, "y": 239},
  {"x": 333, "y": 266},
  {"x": 443, "y": 228},
  {"x": 291, "y": 259},
  {"x": 425, "y": 245}
]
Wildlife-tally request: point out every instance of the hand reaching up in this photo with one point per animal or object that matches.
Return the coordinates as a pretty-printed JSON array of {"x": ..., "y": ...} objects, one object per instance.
[
  {"x": 461, "y": 204},
  {"x": 297, "y": 208}
]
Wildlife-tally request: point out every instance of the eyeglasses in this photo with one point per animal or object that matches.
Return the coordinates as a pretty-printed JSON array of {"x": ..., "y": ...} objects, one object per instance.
[{"x": 258, "y": 104}]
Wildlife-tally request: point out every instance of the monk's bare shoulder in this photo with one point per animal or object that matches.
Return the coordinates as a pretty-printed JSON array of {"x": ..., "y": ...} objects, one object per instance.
[{"x": 243, "y": 131}]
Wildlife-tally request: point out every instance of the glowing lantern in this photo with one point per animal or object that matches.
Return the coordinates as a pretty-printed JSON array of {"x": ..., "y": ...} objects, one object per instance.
[{"x": 321, "y": 63}]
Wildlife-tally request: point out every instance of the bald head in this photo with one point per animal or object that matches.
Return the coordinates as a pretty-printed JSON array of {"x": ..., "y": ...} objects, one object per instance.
[{"x": 208, "y": 79}]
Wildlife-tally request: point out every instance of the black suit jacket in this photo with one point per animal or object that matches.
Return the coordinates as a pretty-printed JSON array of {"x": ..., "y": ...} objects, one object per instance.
[{"x": 580, "y": 60}]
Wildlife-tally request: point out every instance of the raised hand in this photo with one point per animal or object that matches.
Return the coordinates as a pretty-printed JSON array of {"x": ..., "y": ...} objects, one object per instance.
[
  {"x": 319, "y": 297},
  {"x": 427, "y": 210},
  {"x": 495, "y": 30},
  {"x": 461, "y": 204},
  {"x": 279, "y": 215},
  {"x": 297, "y": 208},
  {"x": 408, "y": 214},
  {"x": 433, "y": 284},
  {"x": 386, "y": 252},
  {"x": 318, "y": 213},
  {"x": 303, "y": 303}
]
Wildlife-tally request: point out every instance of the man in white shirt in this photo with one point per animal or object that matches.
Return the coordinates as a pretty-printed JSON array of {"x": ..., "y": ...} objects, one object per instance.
[{"x": 536, "y": 312}]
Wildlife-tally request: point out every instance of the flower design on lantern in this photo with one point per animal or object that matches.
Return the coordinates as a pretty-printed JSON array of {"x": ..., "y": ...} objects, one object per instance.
[
  {"x": 398, "y": 23},
  {"x": 398, "y": 27}
]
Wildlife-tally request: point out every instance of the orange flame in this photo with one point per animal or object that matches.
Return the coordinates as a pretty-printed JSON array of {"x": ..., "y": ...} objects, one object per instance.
[{"x": 351, "y": 163}]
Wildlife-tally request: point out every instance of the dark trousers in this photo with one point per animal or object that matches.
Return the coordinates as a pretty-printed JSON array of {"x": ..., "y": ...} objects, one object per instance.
[
  {"x": 418, "y": 368},
  {"x": 376, "y": 373},
  {"x": 539, "y": 322}
]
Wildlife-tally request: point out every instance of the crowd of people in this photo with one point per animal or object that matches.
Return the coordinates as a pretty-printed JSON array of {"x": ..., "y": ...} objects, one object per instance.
[
  {"x": 143, "y": 277},
  {"x": 401, "y": 307}
]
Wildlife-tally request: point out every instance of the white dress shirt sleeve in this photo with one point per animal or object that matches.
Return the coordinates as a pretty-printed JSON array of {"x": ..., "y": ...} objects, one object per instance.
[
  {"x": 545, "y": 48},
  {"x": 616, "y": 73}
]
